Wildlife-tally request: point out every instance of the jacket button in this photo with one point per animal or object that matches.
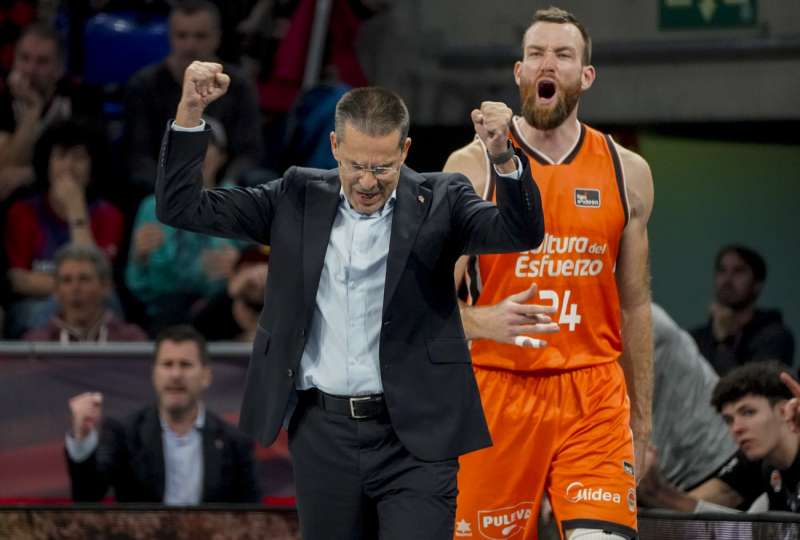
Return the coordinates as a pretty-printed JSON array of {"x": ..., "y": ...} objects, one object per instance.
[{"x": 290, "y": 372}]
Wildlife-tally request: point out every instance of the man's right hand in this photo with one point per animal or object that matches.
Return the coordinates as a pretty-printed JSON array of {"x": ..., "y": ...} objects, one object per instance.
[
  {"x": 203, "y": 83},
  {"x": 513, "y": 318},
  {"x": 86, "y": 410}
]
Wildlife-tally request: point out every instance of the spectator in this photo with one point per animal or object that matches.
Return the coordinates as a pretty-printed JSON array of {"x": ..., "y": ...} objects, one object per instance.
[
  {"x": 232, "y": 315},
  {"x": 83, "y": 287},
  {"x": 176, "y": 452},
  {"x": 36, "y": 96},
  {"x": 170, "y": 270},
  {"x": 752, "y": 401},
  {"x": 738, "y": 332},
  {"x": 691, "y": 439},
  {"x": 64, "y": 209},
  {"x": 153, "y": 93}
]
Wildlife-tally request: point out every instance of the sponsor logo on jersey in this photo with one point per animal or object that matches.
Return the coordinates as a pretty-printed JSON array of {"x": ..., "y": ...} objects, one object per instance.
[
  {"x": 628, "y": 468},
  {"x": 463, "y": 528},
  {"x": 569, "y": 256},
  {"x": 503, "y": 523},
  {"x": 587, "y": 198},
  {"x": 631, "y": 498},
  {"x": 577, "y": 492}
]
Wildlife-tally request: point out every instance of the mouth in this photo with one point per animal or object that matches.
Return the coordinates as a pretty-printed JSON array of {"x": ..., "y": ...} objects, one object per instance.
[
  {"x": 367, "y": 198},
  {"x": 546, "y": 89}
]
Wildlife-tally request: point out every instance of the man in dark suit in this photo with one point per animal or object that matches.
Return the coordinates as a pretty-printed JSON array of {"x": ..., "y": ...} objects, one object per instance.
[
  {"x": 176, "y": 452},
  {"x": 360, "y": 349}
]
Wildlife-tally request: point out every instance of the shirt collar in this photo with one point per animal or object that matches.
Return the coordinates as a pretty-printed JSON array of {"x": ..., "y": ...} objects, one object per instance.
[{"x": 199, "y": 422}]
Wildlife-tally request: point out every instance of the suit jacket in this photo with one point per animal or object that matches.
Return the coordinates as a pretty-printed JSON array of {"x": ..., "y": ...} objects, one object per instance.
[
  {"x": 130, "y": 458},
  {"x": 429, "y": 387}
]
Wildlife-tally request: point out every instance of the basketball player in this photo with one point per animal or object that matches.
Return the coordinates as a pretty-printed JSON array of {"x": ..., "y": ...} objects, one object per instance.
[{"x": 565, "y": 418}]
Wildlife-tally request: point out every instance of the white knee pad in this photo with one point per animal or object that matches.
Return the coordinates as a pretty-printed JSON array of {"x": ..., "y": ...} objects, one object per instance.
[{"x": 592, "y": 534}]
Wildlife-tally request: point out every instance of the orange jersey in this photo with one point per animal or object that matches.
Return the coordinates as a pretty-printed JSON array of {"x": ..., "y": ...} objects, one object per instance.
[{"x": 585, "y": 212}]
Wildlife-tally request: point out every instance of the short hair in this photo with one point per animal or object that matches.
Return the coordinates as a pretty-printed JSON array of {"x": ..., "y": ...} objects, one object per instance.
[
  {"x": 82, "y": 252},
  {"x": 45, "y": 32},
  {"x": 560, "y": 16},
  {"x": 181, "y": 333},
  {"x": 190, "y": 7},
  {"x": 756, "y": 378},
  {"x": 751, "y": 258},
  {"x": 69, "y": 134},
  {"x": 374, "y": 111}
]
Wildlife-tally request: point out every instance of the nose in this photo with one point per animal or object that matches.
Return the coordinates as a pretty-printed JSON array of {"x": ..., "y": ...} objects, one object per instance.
[
  {"x": 368, "y": 181},
  {"x": 548, "y": 62}
]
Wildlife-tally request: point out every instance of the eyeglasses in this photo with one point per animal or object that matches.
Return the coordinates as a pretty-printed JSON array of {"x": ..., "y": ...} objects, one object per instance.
[{"x": 380, "y": 172}]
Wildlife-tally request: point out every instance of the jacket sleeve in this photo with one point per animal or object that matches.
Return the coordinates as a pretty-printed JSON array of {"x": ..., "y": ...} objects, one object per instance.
[
  {"x": 182, "y": 202},
  {"x": 91, "y": 478},
  {"x": 515, "y": 223}
]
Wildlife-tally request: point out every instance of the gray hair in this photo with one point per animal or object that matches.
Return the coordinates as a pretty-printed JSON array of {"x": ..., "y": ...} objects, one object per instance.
[
  {"x": 81, "y": 252},
  {"x": 374, "y": 111}
]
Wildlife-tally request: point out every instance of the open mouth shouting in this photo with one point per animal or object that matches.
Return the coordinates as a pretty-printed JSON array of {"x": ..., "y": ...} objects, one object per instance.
[{"x": 546, "y": 91}]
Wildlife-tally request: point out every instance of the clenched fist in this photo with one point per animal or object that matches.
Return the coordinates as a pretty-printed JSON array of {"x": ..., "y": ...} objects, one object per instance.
[
  {"x": 492, "y": 122},
  {"x": 86, "y": 410},
  {"x": 203, "y": 82}
]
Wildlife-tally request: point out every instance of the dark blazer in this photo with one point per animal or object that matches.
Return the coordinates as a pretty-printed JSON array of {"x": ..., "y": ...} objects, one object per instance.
[
  {"x": 427, "y": 378},
  {"x": 130, "y": 458}
]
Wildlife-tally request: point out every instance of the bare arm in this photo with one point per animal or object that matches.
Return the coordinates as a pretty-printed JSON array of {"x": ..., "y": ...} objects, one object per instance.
[
  {"x": 718, "y": 492},
  {"x": 31, "y": 282},
  {"x": 633, "y": 282}
]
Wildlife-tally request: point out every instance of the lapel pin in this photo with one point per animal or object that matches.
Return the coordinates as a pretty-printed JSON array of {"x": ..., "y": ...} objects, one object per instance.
[{"x": 421, "y": 199}]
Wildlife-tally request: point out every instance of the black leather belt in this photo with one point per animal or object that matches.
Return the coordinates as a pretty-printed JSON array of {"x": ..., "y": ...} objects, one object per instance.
[{"x": 356, "y": 407}]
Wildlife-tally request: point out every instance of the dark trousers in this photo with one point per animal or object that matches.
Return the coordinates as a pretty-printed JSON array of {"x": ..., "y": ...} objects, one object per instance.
[{"x": 356, "y": 481}]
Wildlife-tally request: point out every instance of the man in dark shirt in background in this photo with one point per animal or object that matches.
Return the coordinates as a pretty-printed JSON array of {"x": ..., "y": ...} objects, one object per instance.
[{"x": 737, "y": 332}]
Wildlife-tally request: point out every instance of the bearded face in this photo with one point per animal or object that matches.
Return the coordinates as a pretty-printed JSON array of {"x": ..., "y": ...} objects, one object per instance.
[{"x": 545, "y": 104}]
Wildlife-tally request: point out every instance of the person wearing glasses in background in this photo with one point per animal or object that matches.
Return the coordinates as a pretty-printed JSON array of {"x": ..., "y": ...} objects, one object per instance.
[{"x": 360, "y": 351}]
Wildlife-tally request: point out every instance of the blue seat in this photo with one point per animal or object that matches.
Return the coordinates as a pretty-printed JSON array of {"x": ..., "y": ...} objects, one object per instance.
[{"x": 116, "y": 45}]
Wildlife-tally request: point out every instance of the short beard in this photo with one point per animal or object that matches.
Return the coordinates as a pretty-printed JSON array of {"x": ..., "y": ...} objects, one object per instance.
[{"x": 545, "y": 119}]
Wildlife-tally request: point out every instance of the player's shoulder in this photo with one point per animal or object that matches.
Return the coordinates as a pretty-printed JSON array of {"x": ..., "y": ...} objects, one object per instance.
[
  {"x": 633, "y": 163},
  {"x": 469, "y": 160}
]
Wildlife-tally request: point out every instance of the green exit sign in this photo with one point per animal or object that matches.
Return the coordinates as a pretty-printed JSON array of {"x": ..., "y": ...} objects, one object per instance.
[{"x": 700, "y": 14}]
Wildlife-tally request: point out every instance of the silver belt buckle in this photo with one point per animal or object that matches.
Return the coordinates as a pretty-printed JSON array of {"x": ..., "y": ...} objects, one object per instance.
[{"x": 353, "y": 409}]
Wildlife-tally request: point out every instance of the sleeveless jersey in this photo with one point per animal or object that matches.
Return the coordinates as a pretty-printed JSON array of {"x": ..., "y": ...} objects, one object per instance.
[{"x": 585, "y": 212}]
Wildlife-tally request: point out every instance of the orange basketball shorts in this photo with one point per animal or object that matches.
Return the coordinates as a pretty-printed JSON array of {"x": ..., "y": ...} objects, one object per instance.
[{"x": 565, "y": 433}]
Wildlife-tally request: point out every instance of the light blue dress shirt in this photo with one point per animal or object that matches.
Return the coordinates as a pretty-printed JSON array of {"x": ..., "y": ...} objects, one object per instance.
[
  {"x": 342, "y": 353},
  {"x": 183, "y": 462}
]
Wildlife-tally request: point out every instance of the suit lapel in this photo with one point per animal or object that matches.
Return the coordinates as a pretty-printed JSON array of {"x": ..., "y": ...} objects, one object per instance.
[
  {"x": 413, "y": 200},
  {"x": 322, "y": 198},
  {"x": 152, "y": 452},
  {"x": 213, "y": 445}
]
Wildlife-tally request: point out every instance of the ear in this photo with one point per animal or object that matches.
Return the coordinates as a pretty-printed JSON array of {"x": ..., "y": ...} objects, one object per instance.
[
  {"x": 517, "y": 71},
  {"x": 588, "y": 75},
  {"x": 406, "y": 146},
  {"x": 334, "y": 146}
]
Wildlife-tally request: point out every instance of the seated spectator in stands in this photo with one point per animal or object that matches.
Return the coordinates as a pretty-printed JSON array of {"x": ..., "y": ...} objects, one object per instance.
[
  {"x": 232, "y": 315},
  {"x": 170, "y": 270},
  {"x": 153, "y": 94},
  {"x": 738, "y": 332},
  {"x": 175, "y": 452},
  {"x": 246, "y": 288},
  {"x": 63, "y": 210},
  {"x": 37, "y": 95},
  {"x": 83, "y": 288},
  {"x": 691, "y": 440},
  {"x": 752, "y": 400}
]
